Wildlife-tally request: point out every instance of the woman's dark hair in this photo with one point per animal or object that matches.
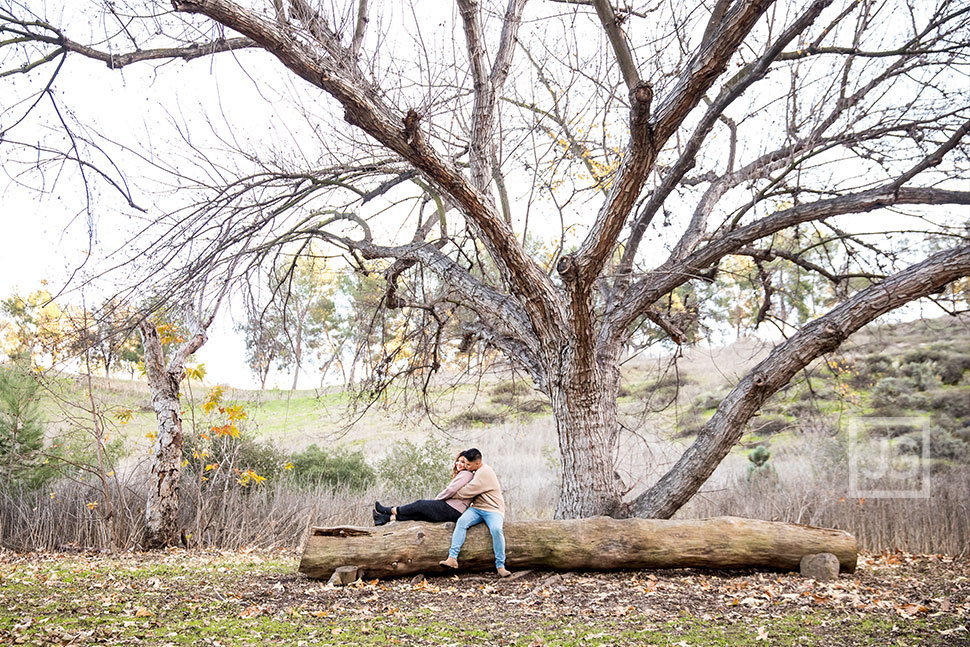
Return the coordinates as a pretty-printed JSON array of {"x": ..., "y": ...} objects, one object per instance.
[{"x": 472, "y": 455}]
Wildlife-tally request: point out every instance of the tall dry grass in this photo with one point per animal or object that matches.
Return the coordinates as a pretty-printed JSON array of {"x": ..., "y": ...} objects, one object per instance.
[
  {"x": 810, "y": 484},
  {"x": 810, "y": 487}
]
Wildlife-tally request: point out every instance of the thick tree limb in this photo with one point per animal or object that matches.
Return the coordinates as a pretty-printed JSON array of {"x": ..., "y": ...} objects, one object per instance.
[
  {"x": 647, "y": 136},
  {"x": 487, "y": 84},
  {"x": 821, "y": 336},
  {"x": 578, "y": 544},
  {"x": 752, "y": 73},
  {"x": 672, "y": 274}
]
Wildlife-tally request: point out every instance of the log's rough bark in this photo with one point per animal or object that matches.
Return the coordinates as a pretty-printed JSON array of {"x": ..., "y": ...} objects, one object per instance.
[{"x": 599, "y": 543}]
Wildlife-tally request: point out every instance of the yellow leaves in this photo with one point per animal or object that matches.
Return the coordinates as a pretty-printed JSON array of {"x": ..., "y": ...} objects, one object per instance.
[
  {"x": 226, "y": 430},
  {"x": 213, "y": 398},
  {"x": 151, "y": 435},
  {"x": 235, "y": 413},
  {"x": 250, "y": 477},
  {"x": 168, "y": 334},
  {"x": 196, "y": 373},
  {"x": 124, "y": 416},
  {"x": 91, "y": 504},
  {"x": 288, "y": 465},
  {"x": 211, "y": 466}
]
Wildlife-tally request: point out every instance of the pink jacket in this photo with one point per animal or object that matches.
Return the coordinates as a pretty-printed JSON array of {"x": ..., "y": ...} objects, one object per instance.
[{"x": 448, "y": 494}]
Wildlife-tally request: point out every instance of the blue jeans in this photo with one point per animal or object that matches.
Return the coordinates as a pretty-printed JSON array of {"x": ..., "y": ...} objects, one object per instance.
[{"x": 474, "y": 516}]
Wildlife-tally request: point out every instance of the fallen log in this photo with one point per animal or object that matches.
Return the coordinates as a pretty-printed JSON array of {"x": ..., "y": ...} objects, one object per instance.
[{"x": 600, "y": 543}]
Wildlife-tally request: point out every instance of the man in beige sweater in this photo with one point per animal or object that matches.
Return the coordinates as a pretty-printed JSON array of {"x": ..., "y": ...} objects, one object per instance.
[{"x": 487, "y": 505}]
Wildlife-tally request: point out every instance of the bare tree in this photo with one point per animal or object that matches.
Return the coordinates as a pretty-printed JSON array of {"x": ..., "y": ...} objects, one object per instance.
[
  {"x": 164, "y": 380},
  {"x": 658, "y": 140}
]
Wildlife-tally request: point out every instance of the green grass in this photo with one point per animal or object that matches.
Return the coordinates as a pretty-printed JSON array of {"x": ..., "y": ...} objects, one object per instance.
[{"x": 226, "y": 599}]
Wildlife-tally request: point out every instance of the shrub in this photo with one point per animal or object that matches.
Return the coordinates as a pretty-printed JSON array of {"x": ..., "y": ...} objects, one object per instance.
[
  {"x": 708, "y": 401},
  {"x": 923, "y": 355},
  {"x": 759, "y": 470},
  {"x": 952, "y": 369},
  {"x": 512, "y": 387},
  {"x": 337, "y": 470},
  {"x": 417, "y": 471},
  {"x": 768, "y": 426},
  {"x": 214, "y": 460},
  {"x": 923, "y": 374},
  {"x": 953, "y": 402},
  {"x": 892, "y": 396},
  {"x": 943, "y": 445},
  {"x": 477, "y": 417},
  {"x": 877, "y": 364}
]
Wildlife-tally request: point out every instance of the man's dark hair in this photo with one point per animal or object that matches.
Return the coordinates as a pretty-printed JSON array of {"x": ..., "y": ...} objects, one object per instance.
[{"x": 472, "y": 455}]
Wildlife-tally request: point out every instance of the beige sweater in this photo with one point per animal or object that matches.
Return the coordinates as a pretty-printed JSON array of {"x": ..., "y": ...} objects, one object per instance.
[{"x": 484, "y": 490}]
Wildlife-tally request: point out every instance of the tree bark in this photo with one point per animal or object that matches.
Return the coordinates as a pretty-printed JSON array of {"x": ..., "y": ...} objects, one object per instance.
[
  {"x": 162, "y": 502},
  {"x": 584, "y": 405},
  {"x": 578, "y": 544}
]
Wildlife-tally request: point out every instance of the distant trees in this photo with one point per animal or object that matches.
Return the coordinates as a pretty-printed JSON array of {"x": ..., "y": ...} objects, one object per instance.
[
  {"x": 35, "y": 328},
  {"x": 294, "y": 319}
]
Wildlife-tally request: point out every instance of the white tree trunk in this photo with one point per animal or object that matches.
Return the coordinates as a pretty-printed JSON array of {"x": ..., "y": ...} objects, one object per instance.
[{"x": 162, "y": 503}]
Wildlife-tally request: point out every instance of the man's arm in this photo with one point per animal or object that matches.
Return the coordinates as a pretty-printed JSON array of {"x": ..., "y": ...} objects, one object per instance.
[
  {"x": 461, "y": 479},
  {"x": 481, "y": 483}
]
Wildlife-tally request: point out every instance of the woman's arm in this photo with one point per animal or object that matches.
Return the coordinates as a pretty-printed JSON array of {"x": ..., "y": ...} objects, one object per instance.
[{"x": 461, "y": 479}]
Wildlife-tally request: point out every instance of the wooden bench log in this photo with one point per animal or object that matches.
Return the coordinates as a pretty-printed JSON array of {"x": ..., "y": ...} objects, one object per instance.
[{"x": 600, "y": 543}]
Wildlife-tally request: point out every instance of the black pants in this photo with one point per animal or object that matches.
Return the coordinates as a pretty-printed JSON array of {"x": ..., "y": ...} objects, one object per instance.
[{"x": 436, "y": 511}]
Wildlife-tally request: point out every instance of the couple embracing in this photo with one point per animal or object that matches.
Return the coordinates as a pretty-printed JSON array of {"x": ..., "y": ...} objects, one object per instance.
[{"x": 473, "y": 496}]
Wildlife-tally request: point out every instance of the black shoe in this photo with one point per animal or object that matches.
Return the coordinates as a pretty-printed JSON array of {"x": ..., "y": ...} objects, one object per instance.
[
  {"x": 383, "y": 509},
  {"x": 380, "y": 519}
]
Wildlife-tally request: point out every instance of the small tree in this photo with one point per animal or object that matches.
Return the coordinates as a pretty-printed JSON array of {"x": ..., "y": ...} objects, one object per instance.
[
  {"x": 164, "y": 380},
  {"x": 21, "y": 429}
]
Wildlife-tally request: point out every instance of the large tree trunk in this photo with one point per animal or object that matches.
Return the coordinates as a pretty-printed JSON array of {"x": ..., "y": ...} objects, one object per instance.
[
  {"x": 578, "y": 544},
  {"x": 584, "y": 406}
]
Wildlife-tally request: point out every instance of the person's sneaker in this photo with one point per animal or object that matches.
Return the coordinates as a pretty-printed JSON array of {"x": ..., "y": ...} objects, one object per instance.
[
  {"x": 450, "y": 563},
  {"x": 380, "y": 519},
  {"x": 503, "y": 572},
  {"x": 383, "y": 509}
]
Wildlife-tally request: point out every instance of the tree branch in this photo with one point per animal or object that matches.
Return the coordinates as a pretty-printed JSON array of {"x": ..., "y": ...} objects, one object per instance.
[
  {"x": 647, "y": 137},
  {"x": 364, "y": 108},
  {"x": 751, "y": 73},
  {"x": 673, "y": 274},
  {"x": 821, "y": 336},
  {"x": 624, "y": 57}
]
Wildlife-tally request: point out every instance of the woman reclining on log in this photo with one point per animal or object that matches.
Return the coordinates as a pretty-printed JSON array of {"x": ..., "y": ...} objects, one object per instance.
[{"x": 444, "y": 507}]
